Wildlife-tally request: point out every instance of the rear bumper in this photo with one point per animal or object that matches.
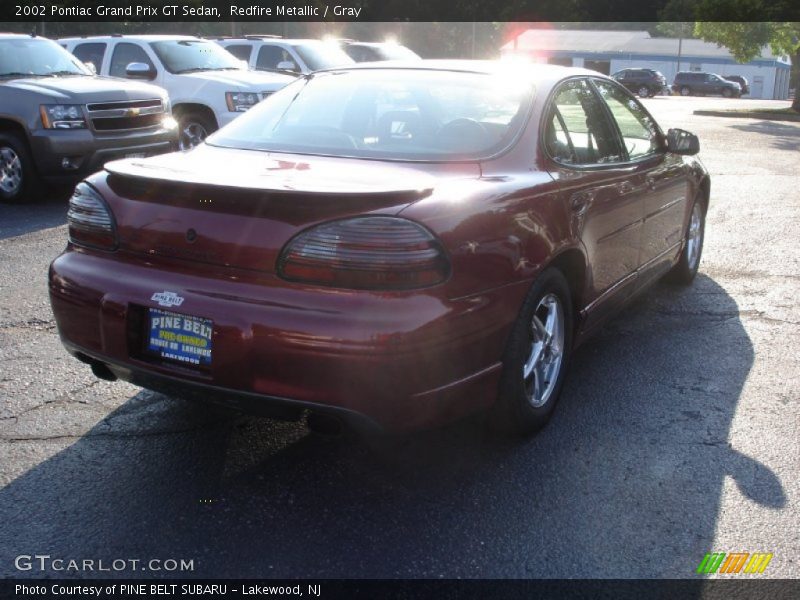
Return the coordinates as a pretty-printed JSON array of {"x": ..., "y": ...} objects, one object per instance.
[
  {"x": 88, "y": 151},
  {"x": 400, "y": 361}
]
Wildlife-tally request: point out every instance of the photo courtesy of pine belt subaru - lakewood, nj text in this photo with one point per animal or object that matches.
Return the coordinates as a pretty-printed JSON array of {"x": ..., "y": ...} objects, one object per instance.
[
  {"x": 208, "y": 86},
  {"x": 59, "y": 122},
  {"x": 390, "y": 245}
]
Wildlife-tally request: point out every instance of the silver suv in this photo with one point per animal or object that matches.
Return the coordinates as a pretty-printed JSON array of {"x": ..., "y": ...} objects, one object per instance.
[{"x": 60, "y": 122}]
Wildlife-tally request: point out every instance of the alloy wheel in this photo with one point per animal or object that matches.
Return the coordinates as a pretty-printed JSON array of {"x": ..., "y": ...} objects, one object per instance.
[
  {"x": 542, "y": 367},
  {"x": 694, "y": 238},
  {"x": 10, "y": 171},
  {"x": 192, "y": 134}
]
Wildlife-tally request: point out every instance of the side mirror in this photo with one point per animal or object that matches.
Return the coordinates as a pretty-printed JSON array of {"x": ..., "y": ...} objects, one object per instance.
[
  {"x": 137, "y": 70},
  {"x": 682, "y": 142},
  {"x": 91, "y": 67},
  {"x": 287, "y": 65}
]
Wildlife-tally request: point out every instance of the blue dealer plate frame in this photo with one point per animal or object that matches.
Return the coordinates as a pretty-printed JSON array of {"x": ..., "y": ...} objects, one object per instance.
[{"x": 179, "y": 338}]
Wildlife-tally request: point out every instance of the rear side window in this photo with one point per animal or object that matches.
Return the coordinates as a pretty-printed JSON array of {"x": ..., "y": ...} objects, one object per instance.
[
  {"x": 240, "y": 51},
  {"x": 125, "y": 54},
  {"x": 270, "y": 56},
  {"x": 91, "y": 53},
  {"x": 639, "y": 132},
  {"x": 578, "y": 131},
  {"x": 362, "y": 53}
]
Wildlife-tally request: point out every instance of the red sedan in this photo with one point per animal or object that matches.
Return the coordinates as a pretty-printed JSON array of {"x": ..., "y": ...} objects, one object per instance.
[{"x": 391, "y": 246}]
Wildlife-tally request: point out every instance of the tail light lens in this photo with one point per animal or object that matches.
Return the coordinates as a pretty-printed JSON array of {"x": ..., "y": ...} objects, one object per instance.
[
  {"x": 90, "y": 220},
  {"x": 376, "y": 253}
]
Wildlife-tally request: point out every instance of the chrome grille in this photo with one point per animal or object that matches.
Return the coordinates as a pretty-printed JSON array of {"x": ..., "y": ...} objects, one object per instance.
[{"x": 126, "y": 115}]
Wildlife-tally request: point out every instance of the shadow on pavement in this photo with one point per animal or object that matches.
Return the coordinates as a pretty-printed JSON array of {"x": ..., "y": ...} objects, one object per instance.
[
  {"x": 624, "y": 482},
  {"x": 46, "y": 212},
  {"x": 784, "y": 137}
]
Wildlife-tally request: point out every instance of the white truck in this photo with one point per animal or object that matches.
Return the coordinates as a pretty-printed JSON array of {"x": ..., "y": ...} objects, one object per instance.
[
  {"x": 272, "y": 53},
  {"x": 207, "y": 85}
]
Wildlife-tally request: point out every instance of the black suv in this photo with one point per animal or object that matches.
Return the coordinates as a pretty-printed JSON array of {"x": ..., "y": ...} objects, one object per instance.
[
  {"x": 697, "y": 83},
  {"x": 742, "y": 81},
  {"x": 644, "y": 82}
]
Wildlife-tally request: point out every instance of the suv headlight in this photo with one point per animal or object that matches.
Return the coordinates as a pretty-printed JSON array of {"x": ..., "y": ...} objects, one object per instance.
[
  {"x": 62, "y": 116},
  {"x": 241, "y": 101}
]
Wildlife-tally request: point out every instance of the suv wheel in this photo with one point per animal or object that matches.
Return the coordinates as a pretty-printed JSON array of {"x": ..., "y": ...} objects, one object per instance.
[
  {"x": 685, "y": 91},
  {"x": 643, "y": 91},
  {"x": 193, "y": 128},
  {"x": 727, "y": 93},
  {"x": 17, "y": 179}
]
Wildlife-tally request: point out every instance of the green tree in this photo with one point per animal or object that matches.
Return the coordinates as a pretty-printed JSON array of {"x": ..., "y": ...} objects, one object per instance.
[{"x": 745, "y": 41}]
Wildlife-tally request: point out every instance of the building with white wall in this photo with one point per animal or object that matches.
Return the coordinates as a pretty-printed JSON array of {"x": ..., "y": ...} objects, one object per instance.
[{"x": 610, "y": 51}]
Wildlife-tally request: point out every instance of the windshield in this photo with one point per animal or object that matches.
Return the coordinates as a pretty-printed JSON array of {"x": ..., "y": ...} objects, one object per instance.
[
  {"x": 395, "y": 52},
  {"x": 394, "y": 114},
  {"x": 185, "y": 56},
  {"x": 322, "y": 55},
  {"x": 31, "y": 57}
]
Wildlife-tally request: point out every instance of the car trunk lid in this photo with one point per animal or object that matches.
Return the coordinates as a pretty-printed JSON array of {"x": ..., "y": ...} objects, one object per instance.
[{"x": 237, "y": 208}]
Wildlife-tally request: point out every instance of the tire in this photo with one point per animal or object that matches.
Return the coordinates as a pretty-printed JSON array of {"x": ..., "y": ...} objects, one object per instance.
[
  {"x": 685, "y": 270},
  {"x": 726, "y": 93},
  {"x": 18, "y": 177},
  {"x": 685, "y": 91},
  {"x": 534, "y": 369},
  {"x": 643, "y": 92},
  {"x": 193, "y": 128}
]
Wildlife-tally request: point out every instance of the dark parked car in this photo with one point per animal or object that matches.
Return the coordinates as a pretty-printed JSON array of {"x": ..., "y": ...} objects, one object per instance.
[
  {"x": 644, "y": 82},
  {"x": 398, "y": 246},
  {"x": 59, "y": 122},
  {"x": 691, "y": 83},
  {"x": 742, "y": 81}
]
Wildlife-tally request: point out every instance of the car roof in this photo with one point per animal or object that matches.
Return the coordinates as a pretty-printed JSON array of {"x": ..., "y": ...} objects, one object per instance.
[
  {"x": 372, "y": 44},
  {"x": 138, "y": 38},
  {"x": 270, "y": 40},
  {"x": 20, "y": 36}
]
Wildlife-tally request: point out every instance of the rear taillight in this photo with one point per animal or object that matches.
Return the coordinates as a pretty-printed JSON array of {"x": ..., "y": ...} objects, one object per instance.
[
  {"x": 90, "y": 220},
  {"x": 377, "y": 253}
]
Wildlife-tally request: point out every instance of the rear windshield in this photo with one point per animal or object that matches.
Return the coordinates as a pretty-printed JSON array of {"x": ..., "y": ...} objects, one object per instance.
[
  {"x": 400, "y": 114},
  {"x": 31, "y": 57}
]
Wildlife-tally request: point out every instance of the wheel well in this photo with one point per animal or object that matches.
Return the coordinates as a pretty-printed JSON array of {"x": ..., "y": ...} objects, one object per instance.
[
  {"x": 8, "y": 126},
  {"x": 705, "y": 193},
  {"x": 187, "y": 107},
  {"x": 572, "y": 265}
]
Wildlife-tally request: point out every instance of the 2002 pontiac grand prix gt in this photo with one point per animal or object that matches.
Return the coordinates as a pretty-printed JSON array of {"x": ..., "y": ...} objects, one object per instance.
[{"x": 394, "y": 246}]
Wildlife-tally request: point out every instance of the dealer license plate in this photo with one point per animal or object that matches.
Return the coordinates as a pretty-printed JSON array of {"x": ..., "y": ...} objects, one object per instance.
[{"x": 181, "y": 338}]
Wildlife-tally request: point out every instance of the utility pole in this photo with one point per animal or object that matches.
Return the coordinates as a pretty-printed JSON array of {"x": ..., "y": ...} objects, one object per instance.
[{"x": 473, "y": 40}]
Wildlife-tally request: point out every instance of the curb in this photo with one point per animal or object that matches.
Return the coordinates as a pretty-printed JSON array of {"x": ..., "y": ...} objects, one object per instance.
[{"x": 748, "y": 115}]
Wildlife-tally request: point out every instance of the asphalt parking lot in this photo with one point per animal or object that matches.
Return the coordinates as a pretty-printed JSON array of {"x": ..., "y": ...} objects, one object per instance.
[{"x": 677, "y": 433}]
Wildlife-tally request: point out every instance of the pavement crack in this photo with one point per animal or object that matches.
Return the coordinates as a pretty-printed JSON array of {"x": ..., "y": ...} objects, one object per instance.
[
  {"x": 34, "y": 323},
  {"x": 120, "y": 435}
]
